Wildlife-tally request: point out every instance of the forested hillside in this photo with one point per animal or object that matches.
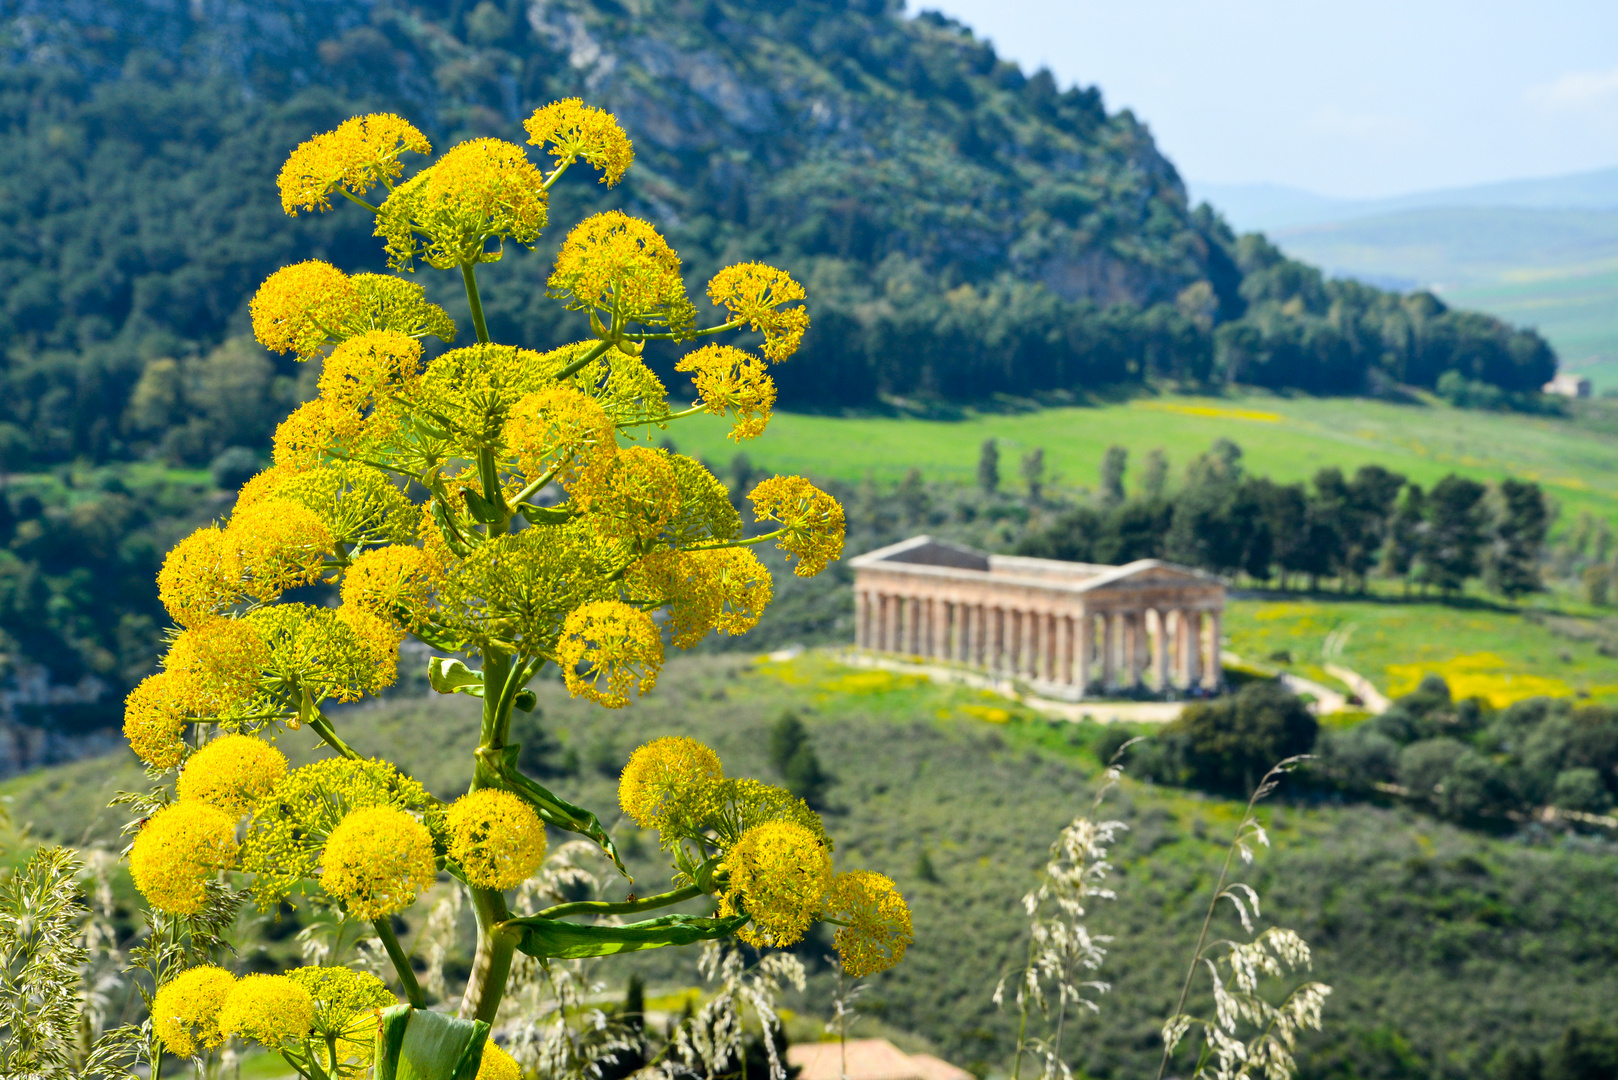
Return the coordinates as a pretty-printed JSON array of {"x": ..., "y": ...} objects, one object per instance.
[{"x": 964, "y": 228}]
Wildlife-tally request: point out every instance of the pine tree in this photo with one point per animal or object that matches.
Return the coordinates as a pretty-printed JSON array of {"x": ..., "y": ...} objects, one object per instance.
[
  {"x": 1453, "y": 546},
  {"x": 989, "y": 467},
  {"x": 1519, "y": 539},
  {"x": 1113, "y": 466}
]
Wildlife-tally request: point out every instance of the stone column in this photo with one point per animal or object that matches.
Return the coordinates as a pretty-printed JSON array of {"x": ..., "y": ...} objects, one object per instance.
[
  {"x": 1213, "y": 668},
  {"x": 1083, "y": 634},
  {"x": 1160, "y": 653},
  {"x": 861, "y": 614},
  {"x": 1109, "y": 650},
  {"x": 1016, "y": 642},
  {"x": 879, "y": 621},
  {"x": 1193, "y": 648},
  {"x": 1129, "y": 633}
]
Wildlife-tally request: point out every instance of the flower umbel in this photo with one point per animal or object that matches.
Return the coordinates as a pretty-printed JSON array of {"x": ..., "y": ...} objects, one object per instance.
[
  {"x": 496, "y": 837},
  {"x": 811, "y": 519},
  {"x": 754, "y": 293},
  {"x": 185, "y": 1013},
  {"x": 233, "y": 772},
  {"x": 482, "y": 190},
  {"x": 778, "y": 874},
  {"x": 362, "y": 152},
  {"x": 379, "y": 860},
  {"x": 272, "y": 1010},
  {"x": 665, "y": 779},
  {"x": 179, "y": 851},
  {"x": 608, "y": 650},
  {"x": 575, "y": 130},
  {"x": 876, "y": 921},
  {"x": 730, "y": 380}
]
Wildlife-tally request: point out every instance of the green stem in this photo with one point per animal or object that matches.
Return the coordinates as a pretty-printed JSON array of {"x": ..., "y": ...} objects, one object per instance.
[
  {"x": 322, "y": 727},
  {"x": 470, "y": 280},
  {"x": 735, "y": 324},
  {"x": 353, "y": 198},
  {"x": 578, "y": 365},
  {"x": 738, "y": 543},
  {"x": 401, "y": 964},
  {"x": 624, "y": 907},
  {"x": 486, "y": 984}
]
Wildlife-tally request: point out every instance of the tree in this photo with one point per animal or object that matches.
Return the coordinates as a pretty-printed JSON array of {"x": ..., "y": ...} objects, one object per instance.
[
  {"x": 1519, "y": 539},
  {"x": 1154, "y": 474},
  {"x": 1114, "y": 463},
  {"x": 1452, "y": 548},
  {"x": 1229, "y": 744},
  {"x": 1033, "y": 472},
  {"x": 1372, "y": 495},
  {"x": 989, "y": 466},
  {"x": 1406, "y": 535},
  {"x": 794, "y": 758},
  {"x": 1286, "y": 511}
]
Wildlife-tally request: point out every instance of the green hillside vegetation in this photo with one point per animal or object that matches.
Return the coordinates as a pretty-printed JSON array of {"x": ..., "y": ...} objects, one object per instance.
[
  {"x": 1450, "y": 954},
  {"x": 1553, "y": 269}
]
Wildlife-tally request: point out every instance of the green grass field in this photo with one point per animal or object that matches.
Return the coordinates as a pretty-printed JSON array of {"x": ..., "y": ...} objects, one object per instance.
[
  {"x": 1284, "y": 438},
  {"x": 1479, "y": 650}
]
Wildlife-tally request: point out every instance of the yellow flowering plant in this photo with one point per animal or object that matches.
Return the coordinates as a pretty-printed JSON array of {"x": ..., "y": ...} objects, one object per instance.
[{"x": 502, "y": 505}]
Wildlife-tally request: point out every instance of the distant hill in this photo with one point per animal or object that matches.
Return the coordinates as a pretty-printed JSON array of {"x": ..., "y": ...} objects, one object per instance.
[{"x": 1542, "y": 253}]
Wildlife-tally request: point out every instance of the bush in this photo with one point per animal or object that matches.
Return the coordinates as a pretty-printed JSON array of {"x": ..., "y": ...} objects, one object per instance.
[{"x": 1229, "y": 744}]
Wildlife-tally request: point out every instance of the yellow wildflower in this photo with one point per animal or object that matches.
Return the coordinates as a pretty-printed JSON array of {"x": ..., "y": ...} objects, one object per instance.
[
  {"x": 324, "y": 652},
  {"x": 263, "y": 485},
  {"x": 565, "y": 430},
  {"x": 200, "y": 577},
  {"x": 753, "y": 293},
  {"x": 876, "y": 921},
  {"x": 391, "y": 582},
  {"x": 575, "y": 130},
  {"x": 307, "y": 435},
  {"x": 739, "y": 805},
  {"x": 725, "y": 589},
  {"x": 362, "y": 152},
  {"x": 185, "y": 1013},
  {"x": 378, "y": 860},
  {"x": 638, "y": 496},
  {"x": 220, "y": 660},
  {"x": 280, "y": 546},
  {"x": 289, "y": 826},
  {"x": 346, "y": 1004},
  {"x": 379, "y": 636},
  {"x": 232, "y": 772},
  {"x": 617, "y": 647},
  {"x": 154, "y": 717},
  {"x": 299, "y": 307},
  {"x": 389, "y": 303},
  {"x": 272, "y": 1010},
  {"x": 496, "y": 838},
  {"x": 663, "y": 784},
  {"x": 356, "y": 503},
  {"x": 612, "y": 262},
  {"x": 365, "y": 369},
  {"x": 481, "y": 190},
  {"x": 178, "y": 851},
  {"x": 497, "y": 1064},
  {"x": 811, "y": 519},
  {"x": 730, "y": 380},
  {"x": 778, "y": 874},
  {"x": 706, "y": 513}
]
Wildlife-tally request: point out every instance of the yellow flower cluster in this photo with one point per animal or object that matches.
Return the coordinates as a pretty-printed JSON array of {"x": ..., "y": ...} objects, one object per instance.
[
  {"x": 387, "y": 303},
  {"x": 378, "y": 860},
  {"x": 178, "y": 851},
  {"x": 497, "y": 1064},
  {"x": 496, "y": 838},
  {"x": 232, "y": 773},
  {"x": 777, "y": 874},
  {"x": 364, "y": 371},
  {"x": 481, "y": 190},
  {"x": 289, "y": 826},
  {"x": 740, "y": 805},
  {"x": 875, "y": 930},
  {"x": 619, "y": 265},
  {"x": 301, "y": 307},
  {"x": 154, "y": 717},
  {"x": 393, "y": 583},
  {"x": 663, "y": 784},
  {"x": 217, "y": 663},
  {"x": 355, "y": 503},
  {"x": 639, "y": 495},
  {"x": 185, "y": 1012},
  {"x": 200, "y": 577},
  {"x": 724, "y": 589},
  {"x": 812, "y": 520},
  {"x": 272, "y": 1010},
  {"x": 565, "y": 432},
  {"x": 730, "y": 380},
  {"x": 346, "y": 1001},
  {"x": 279, "y": 545},
  {"x": 343, "y": 654},
  {"x": 575, "y": 130},
  {"x": 607, "y": 650},
  {"x": 753, "y": 293},
  {"x": 361, "y": 153}
]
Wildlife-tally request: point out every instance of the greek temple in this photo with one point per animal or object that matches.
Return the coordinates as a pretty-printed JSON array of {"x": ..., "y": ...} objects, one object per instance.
[{"x": 1069, "y": 630}]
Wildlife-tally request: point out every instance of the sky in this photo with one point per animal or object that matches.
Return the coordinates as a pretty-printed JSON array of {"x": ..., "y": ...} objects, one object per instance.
[{"x": 1350, "y": 98}]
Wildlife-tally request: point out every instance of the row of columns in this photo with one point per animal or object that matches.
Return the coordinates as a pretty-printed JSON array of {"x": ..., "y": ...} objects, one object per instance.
[{"x": 1180, "y": 646}]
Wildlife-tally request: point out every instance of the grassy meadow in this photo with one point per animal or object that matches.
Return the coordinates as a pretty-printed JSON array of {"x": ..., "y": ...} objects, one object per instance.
[
  {"x": 1286, "y": 438},
  {"x": 1443, "y": 947}
]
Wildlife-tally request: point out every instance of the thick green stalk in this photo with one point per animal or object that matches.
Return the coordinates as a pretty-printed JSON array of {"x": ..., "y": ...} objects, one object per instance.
[
  {"x": 624, "y": 907},
  {"x": 401, "y": 964},
  {"x": 469, "y": 279},
  {"x": 486, "y": 985}
]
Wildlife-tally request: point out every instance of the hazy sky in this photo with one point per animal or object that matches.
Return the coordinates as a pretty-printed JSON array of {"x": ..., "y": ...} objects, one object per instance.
[{"x": 1351, "y": 98}]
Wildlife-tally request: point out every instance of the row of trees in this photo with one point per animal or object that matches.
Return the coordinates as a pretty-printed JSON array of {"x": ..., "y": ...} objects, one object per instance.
[{"x": 1337, "y": 526}]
